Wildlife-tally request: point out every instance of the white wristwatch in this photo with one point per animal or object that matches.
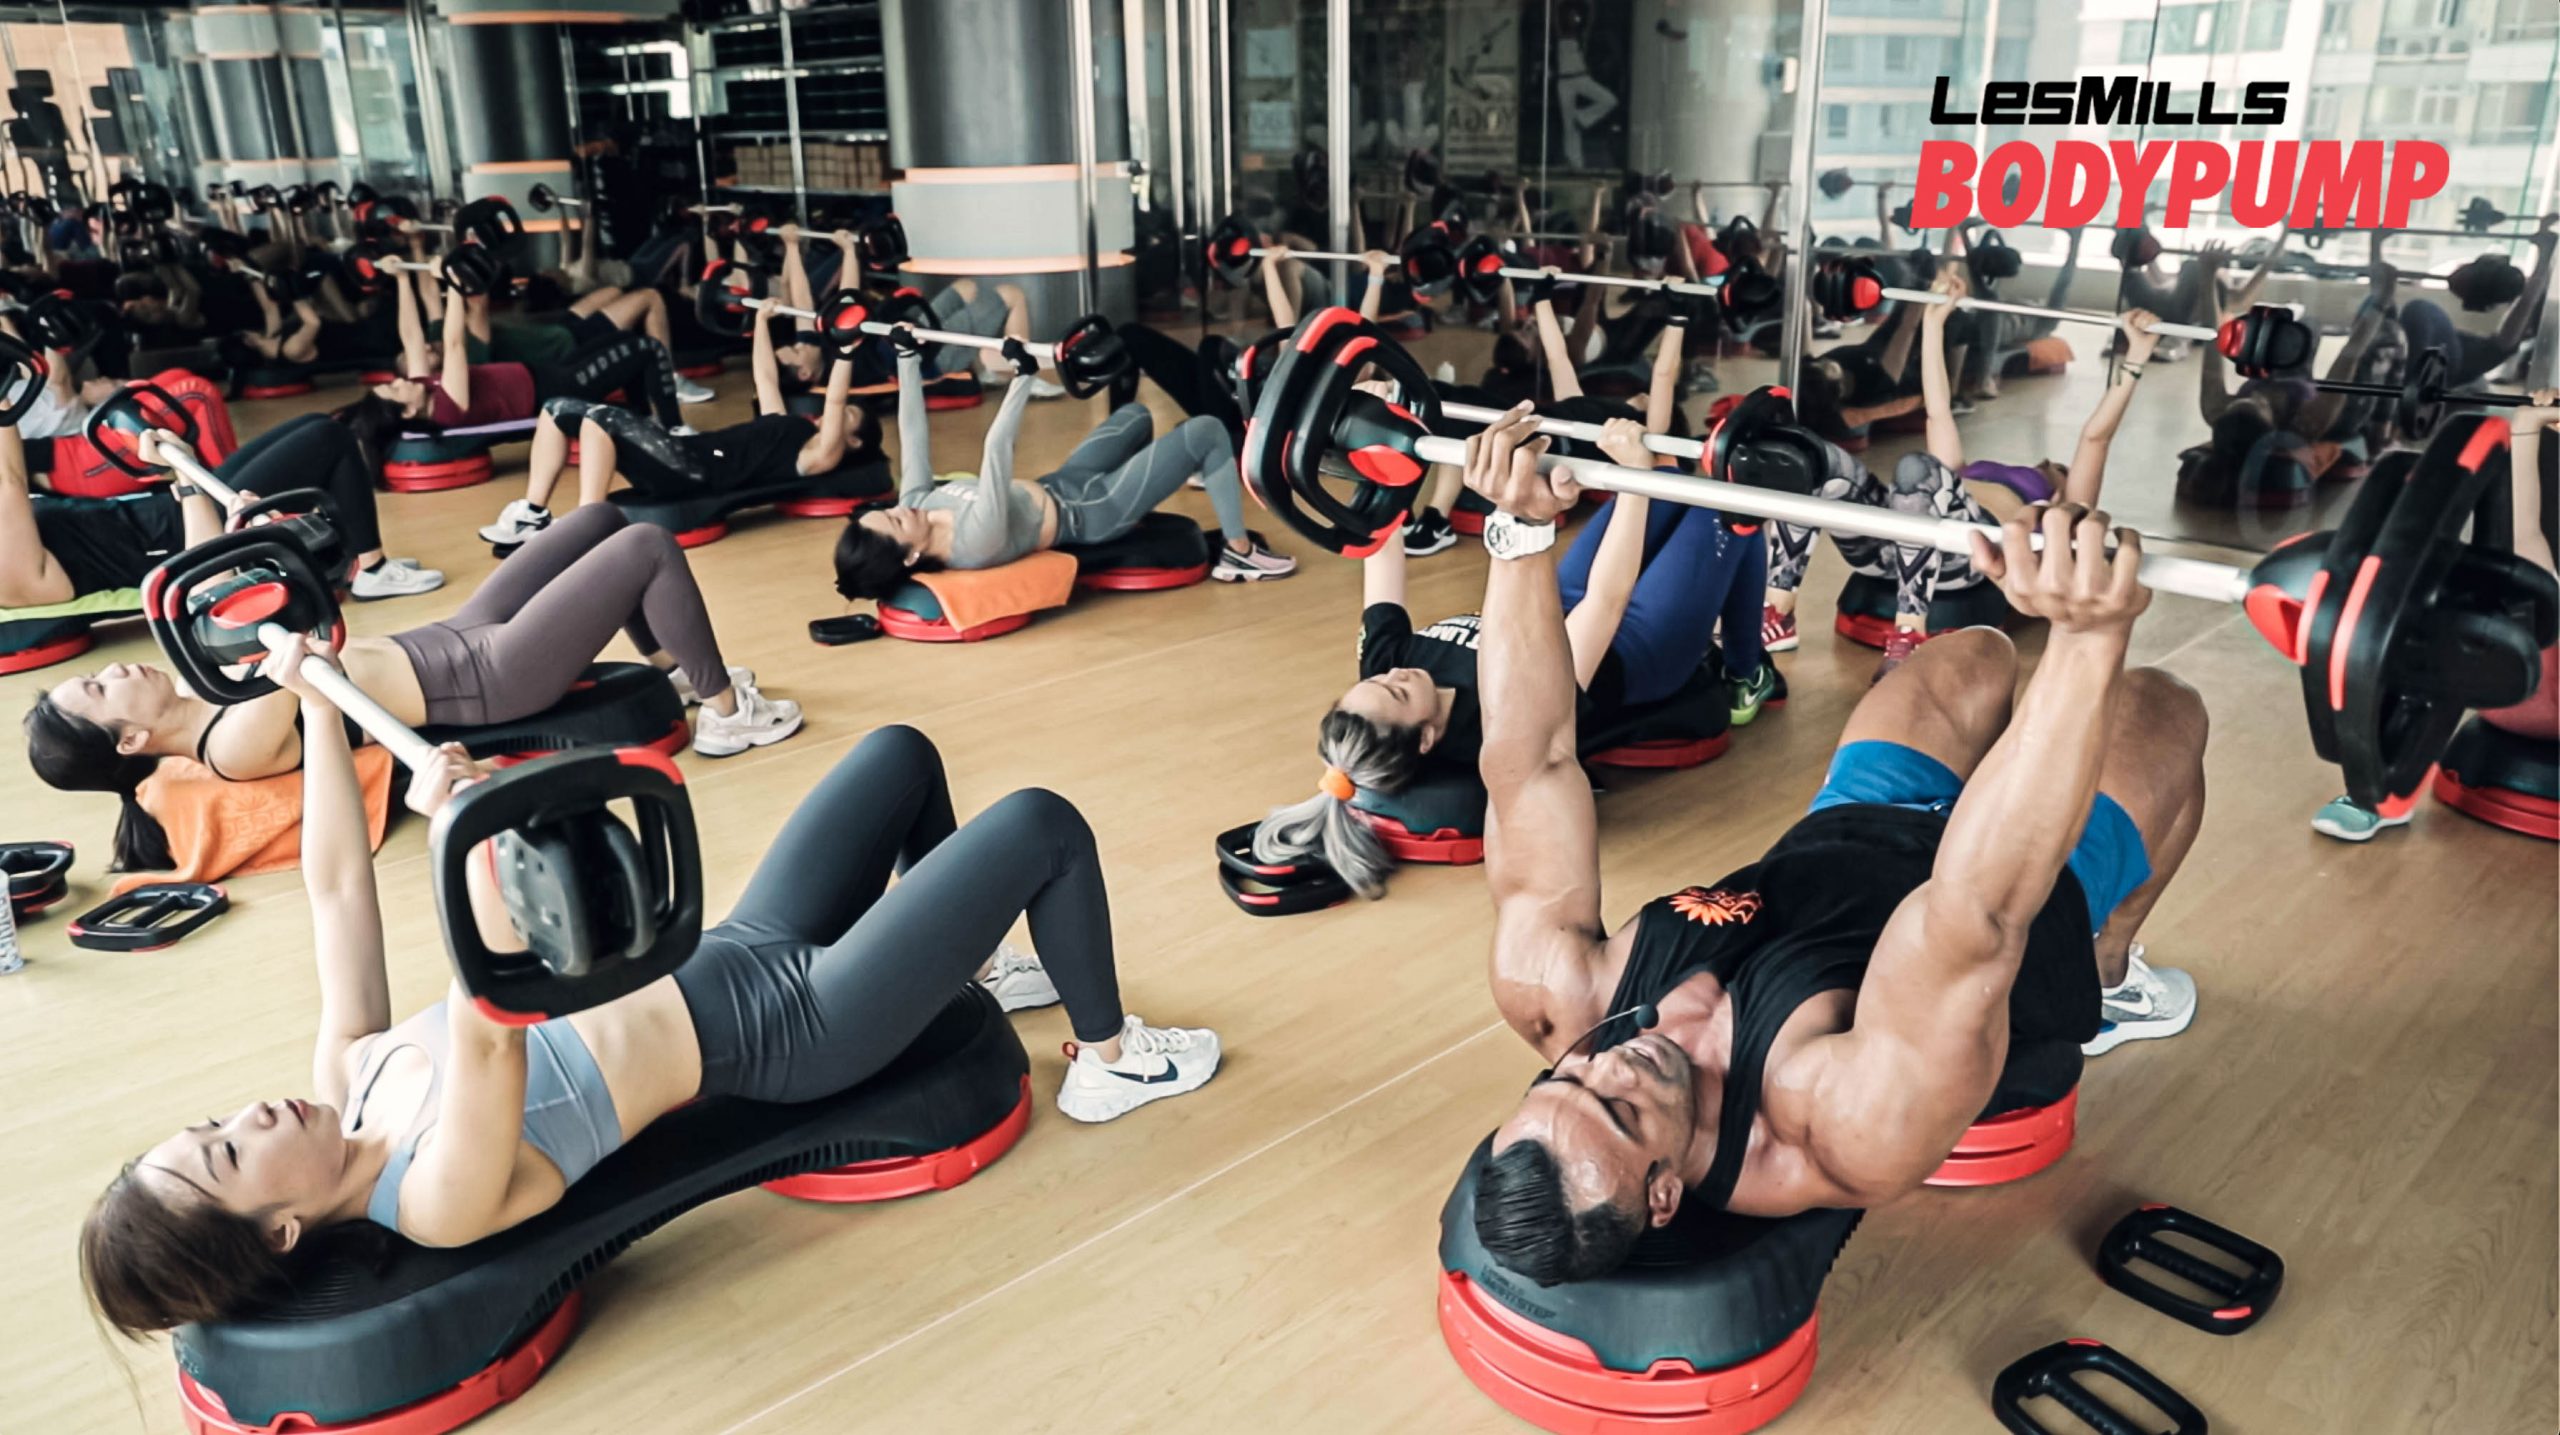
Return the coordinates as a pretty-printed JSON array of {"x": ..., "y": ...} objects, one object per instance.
[{"x": 1506, "y": 537}]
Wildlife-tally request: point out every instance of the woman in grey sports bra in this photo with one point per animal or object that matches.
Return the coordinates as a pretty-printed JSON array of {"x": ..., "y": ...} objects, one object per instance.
[
  {"x": 1114, "y": 478},
  {"x": 447, "y": 1128}
]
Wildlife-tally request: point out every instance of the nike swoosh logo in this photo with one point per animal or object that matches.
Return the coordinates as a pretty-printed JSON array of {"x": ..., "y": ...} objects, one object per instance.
[{"x": 1171, "y": 1072}]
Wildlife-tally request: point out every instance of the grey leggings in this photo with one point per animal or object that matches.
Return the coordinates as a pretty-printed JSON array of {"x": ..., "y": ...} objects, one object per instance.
[
  {"x": 982, "y": 314},
  {"x": 823, "y": 972},
  {"x": 516, "y": 647},
  {"x": 1122, "y": 471}
]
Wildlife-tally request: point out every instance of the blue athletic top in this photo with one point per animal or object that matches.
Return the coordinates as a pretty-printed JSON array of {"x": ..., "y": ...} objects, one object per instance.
[{"x": 568, "y": 1114}]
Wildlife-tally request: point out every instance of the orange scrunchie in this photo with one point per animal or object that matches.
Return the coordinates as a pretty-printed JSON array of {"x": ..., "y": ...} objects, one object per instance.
[{"x": 1337, "y": 785}]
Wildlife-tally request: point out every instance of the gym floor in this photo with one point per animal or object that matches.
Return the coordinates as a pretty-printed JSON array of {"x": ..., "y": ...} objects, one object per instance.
[{"x": 2368, "y": 1088}]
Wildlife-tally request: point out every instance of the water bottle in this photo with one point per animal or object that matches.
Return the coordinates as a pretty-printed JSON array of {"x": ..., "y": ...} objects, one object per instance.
[{"x": 10, "y": 961}]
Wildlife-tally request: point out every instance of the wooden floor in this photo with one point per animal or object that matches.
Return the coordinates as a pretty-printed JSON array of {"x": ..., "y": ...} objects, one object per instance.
[{"x": 2369, "y": 1087}]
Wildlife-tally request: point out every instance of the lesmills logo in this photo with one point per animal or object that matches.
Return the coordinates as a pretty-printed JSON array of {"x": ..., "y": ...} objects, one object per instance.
[{"x": 2063, "y": 184}]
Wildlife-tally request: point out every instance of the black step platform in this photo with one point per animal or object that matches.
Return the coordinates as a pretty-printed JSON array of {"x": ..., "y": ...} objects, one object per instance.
[{"x": 425, "y": 1339}]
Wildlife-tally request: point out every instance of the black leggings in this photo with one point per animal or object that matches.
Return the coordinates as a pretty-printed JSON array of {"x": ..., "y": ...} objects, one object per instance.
[
  {"x": 644, "y": 453},
  {"x": 823, "y": 972},
  {"x": 313, "y": 451},
  {"x": 1184, "y": 376},
  {"x": 634, "y": 363}
]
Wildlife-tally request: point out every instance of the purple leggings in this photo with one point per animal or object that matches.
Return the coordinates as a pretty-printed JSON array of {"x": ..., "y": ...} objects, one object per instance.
[{"x": 516, "y": 647}]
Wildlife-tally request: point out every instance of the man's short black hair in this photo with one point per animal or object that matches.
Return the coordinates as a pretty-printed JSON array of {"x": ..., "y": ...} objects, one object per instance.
[{"x": 1525, "y": 1220}]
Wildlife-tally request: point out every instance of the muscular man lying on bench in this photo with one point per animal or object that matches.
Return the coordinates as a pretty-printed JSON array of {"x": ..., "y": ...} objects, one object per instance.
[{"x": 1820, "y": 1027}]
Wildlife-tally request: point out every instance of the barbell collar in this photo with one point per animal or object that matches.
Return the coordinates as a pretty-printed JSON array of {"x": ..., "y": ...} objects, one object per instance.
[{"x": 2039, "y": 311}]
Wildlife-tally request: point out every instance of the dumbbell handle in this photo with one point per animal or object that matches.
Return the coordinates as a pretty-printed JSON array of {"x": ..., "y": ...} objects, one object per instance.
[
  {"x": 2192, "y": 577},
  {"x": 1662, "y": 443},
  {"x": 2038, "y": 311}
]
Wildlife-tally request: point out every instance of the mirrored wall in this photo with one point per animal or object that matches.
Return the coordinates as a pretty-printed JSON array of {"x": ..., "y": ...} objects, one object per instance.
[{"x": 1612, "y": 137}]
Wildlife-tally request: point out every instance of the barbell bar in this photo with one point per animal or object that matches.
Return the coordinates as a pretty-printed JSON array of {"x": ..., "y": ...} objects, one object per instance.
[
  {"x": 1668, "y": 445},
  {"x": 2002, "y": 306},
  {"x": 2162, "y": 572}
]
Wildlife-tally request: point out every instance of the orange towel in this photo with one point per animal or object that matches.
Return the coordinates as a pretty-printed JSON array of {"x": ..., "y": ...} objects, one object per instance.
[
  {"x": 1026, "y": 585},
  {"x": 2048, "y": 355},
  {"x": 1881, "y": 415},
  {"x": 219, "y": 828}
]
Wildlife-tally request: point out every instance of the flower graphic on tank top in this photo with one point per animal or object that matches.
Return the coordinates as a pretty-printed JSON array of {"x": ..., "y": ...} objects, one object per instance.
[{"x": 1716, "y": 907}]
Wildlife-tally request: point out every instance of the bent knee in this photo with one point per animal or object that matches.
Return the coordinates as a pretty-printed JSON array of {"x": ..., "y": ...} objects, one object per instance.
[
  {"x": 2166, "y": 708},
  {"x": 1052, "y": 816},
  {"x": 1974, "y": 658},
  {"x": 901, "y": 744}
]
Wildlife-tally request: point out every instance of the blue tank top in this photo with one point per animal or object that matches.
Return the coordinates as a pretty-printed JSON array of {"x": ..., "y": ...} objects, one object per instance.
[{"x": 568, "y": 1113}]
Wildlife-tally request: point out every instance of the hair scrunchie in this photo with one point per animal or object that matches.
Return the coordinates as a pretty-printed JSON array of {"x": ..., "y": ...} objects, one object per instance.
[{"x": 1337, "y": 785}]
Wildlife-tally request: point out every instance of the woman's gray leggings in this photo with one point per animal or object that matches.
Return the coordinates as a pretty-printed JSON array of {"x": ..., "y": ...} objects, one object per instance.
[
  {"x": 1122, "y": 471},
  {"x": 519, "y": 643},
  {"x": 824, "y": 972}
]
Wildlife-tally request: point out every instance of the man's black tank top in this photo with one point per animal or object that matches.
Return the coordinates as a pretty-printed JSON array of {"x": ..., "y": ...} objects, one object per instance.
[{"x": 1804, "y": 920}]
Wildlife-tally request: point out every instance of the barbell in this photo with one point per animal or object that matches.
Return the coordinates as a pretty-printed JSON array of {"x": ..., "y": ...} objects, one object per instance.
[
  {"x": 1233, "y": 256},
  {"x": 1478, "y": 267},
  {"x": 492, "y": 221},
  {"x": 2272, "y": 339},
  {"x": 114, "y": 428},
  {"x": 1836, "y": 182},
  {"x": 604, "y": 909},
  {"x": 1848, "y": 288},
  {"x": 2397, "y": 625},
  {"x": 1087, "y": 357},
  {"x": 469, "y": 270}
]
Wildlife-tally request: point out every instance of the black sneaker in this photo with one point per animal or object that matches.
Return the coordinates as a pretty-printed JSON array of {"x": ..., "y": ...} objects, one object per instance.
[{"x": 1429, "y": 533}]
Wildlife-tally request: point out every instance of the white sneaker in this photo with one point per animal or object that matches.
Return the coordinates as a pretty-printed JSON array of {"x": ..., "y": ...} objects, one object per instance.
[
  {"x": 1040, "y": 388},
  {"x": 1253, "y": 565},
  {"x": 684, "y": 431},
  {"x": 2150, "y": 1002},
  {"x": 1447, "y": 373},
  {"x": 1017, "y": 979},
  {"x": 395, "y": 578},
  {"x": 689, "y": 392},
  {"x": 517, "y": 522},
  {"x": 760, "y": 721},
  {"x": 1155, "y": 1062},
  {"x": 738, "y": 678}
]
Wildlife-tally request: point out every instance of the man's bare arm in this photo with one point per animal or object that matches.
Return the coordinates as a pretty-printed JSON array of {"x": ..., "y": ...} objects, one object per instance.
[
  {"x": 1931, "y": 1018},
  {"x": 1542, "y": 845}
]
